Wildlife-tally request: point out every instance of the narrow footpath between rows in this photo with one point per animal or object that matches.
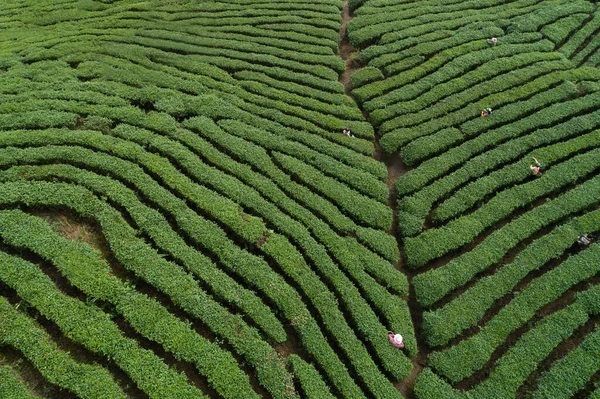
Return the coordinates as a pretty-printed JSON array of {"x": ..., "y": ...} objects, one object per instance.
[{"x": 396, "y": 168}]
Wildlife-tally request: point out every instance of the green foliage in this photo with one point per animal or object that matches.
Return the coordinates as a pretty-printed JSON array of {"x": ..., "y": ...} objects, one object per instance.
[
  {"x": 402, "y": 65},
  {"x": 420, "y": 203},
  {"x": 385, "y": 54},
  {"x": 37, "y": 119},
  {"x": 430, "y": 386},
  {"x": 364, "y": 209},
  {"x": 138, "y": 257},
  {"x": 432, "y": 285},
  {"x": 461, "y": 360},
  {"x": 354, "y": 4},
  {"x": 352, "y": 176},
  {"x": 286, "y": 225},
  {"x": 92, "y": 328},
  {"x": 527, "y": 132},
  {"x": 326, "y": 113},
  {"x": 310, "y": 382},
  {"x": 257, "y": 157},
  {"x": 364, "y": 76},
  {"x": 580, "y": 37},
  {"x": 445, "y": 323},
  {"x": 93, "y": 5},
  {"x": 466, "y": 104},
  {"x": 562, "y": 29},
  {"x": 403, "y": 101},
  {"x": 380, "y": 242},
  {"x": 570, "y": 374},
  {"x": 435, "y": 242},
  {"x": 532, "y": 348},
  {"x": 382, "y": 343},
  {"x": 305, "y": 91},
  {"x": 472, "y": 178},
  {"x": 548, "y": 13},
  {"x": 10, "y": 386},
  {"x": 57, "y": 366},
  {"x": 144, "y": 314},
  {"x": 538, "y": 93},
  {"x": 463, "y": 199},
  {"x": 94, "y": 122},
  {"x": 426, "y": 147},
  {"x": 203, "y": 139}
]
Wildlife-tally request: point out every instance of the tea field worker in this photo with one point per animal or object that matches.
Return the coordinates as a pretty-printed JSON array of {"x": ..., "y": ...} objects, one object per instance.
[
  {"x": 485, "y": 113},
  {"x": 395, "y": 340},
  {"x": 583, "y": 240},
  {"x": 493, "y": 41},
  {"x": 537, "y": 171}
]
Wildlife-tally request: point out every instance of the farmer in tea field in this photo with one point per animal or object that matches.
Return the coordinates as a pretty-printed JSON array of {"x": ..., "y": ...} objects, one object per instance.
[
  {"x": 486, "y": 112},
  {"x": 583, "y": 240},
  {"x": 493, "y": 41},
  {"x": 347, "y": 132},
  {"x": 536, "y": 169},
  {"x": 396, "y": 339}
]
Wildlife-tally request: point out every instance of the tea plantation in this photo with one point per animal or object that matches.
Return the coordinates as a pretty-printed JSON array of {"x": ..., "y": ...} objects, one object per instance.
[{"x": 181, "y": 215}]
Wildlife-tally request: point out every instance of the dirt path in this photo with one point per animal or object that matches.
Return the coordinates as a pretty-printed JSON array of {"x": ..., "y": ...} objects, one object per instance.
[
  {"x": 396, "y": 168},
  {"x": 347, "y": 52}
]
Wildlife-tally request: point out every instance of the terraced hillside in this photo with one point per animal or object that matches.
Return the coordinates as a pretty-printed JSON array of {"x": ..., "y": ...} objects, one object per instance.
[
  {"x": 509, "y": 302},
  {"x": 182, "y": 217}
]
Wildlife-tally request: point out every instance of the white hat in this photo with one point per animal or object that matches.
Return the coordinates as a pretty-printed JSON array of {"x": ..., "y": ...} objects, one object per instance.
[{"x": 398, "y": 339}]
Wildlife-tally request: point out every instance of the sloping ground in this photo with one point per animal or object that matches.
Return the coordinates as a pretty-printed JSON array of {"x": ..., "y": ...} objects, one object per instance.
[
  {"x": 222, "y": 237},
  {"x": 510, "y": 301},
  {"x": 181, "y": 215}
]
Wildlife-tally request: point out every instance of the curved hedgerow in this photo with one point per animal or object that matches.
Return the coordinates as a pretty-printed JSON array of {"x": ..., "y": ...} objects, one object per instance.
[
  {"x": 157, "y": 69},
  {"x": 93, "y": 329},
  {"x": 23, "y": 334},
  {"x": 241, "y": 237},
  {"x": 142, "y": 99},
  {"x": 138, "y": 257},
  {"x": 496, "y": 268},
  {"x": 22, "y": 231},
  {"x": 11, "y": 386},
  {"x": 339, "y": 328}
]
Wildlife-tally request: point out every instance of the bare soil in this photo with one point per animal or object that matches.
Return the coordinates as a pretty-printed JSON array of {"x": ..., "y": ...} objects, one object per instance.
[
  {"x": 346, "y": 51},
  {"x": 562, "y": 302},
  {"x": 79, "y": 230},
  {"x": 33, "y": 381},
  {"x": 74, "y": 229},
  {"x": 292, "y": 346},
  {"x": 396, "y": 168},
  {"x": 406, "y": 386},
  {"x": 559, "y": 352}
]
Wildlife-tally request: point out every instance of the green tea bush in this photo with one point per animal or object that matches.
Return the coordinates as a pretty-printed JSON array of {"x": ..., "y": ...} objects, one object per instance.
[
  {"x": 92, "y": 328},
  {"x": 24, "y": 334},
  {"x": 10, "y": 386},
  {"x": 139, "y": 310},
  {"x": 364, "y": 76}
]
